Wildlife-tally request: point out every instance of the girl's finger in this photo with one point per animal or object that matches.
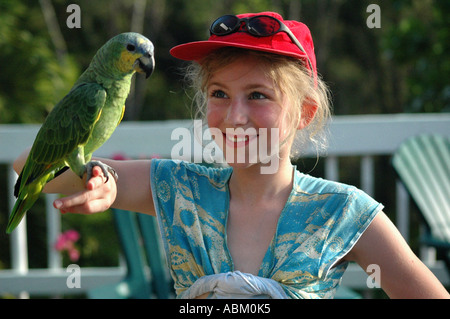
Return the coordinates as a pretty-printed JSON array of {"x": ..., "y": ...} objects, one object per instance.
[
  {"x": 85, "y": 202},
  {"x": 78, "y": 199},
  {"x": 67, "y": 202},
  {"x": 91, "y": 207},
  {"x": 97, "y": 197},
  {"x": 97, "y": 180}
]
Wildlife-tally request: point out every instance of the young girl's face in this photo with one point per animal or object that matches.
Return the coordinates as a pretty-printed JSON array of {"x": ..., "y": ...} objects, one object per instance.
[{"x": 247, "y": 114}]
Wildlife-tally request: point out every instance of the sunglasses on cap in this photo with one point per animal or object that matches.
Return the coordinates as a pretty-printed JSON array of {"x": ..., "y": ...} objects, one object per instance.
[{"x": 258, "y": 26}]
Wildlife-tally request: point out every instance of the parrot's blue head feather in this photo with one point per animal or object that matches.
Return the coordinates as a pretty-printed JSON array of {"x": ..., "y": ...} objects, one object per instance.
[{"x": 126, "y": 53}]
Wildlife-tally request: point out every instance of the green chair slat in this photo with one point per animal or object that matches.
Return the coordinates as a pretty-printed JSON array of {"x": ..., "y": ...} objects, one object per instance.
[
  {"x": 155, "y": 259},
  {"x": 135, "y": 285},
  {"x": 423, "y": 166},
  {"x": 139, "y": 240}
]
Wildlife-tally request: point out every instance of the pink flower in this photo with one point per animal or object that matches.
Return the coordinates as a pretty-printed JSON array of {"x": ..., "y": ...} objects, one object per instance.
[
  {"x": 74, "y": 254},
  {"x": 120, "y": 157},
  {"x": 124, "y": 157},
  {"x": 72, "y": 235},
  {"x": 66, "y": 242}
]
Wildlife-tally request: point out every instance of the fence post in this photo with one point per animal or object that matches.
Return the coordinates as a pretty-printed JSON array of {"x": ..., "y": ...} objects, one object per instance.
[
  {"x": 332, "y": 168},
  {"x": 53, "y": 230},
  {"x": 402, "y": 206},
  {"x": 367, "y": 175},
  {"x": 18, "y": 238}
]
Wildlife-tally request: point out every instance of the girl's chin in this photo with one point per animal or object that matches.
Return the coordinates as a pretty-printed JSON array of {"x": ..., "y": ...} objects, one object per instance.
[{"x": 243, "y": 166}]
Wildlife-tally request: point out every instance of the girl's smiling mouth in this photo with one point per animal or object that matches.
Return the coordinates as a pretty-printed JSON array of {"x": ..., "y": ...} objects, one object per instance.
[{"x": 238, "y": 140}]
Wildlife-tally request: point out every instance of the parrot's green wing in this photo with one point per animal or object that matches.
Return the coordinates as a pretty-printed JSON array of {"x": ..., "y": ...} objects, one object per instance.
[{"x": 68, "y": 126}]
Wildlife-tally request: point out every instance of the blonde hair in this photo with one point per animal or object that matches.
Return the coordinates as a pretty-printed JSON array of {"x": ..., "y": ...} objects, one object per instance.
[{"x": 289, "y": 76}]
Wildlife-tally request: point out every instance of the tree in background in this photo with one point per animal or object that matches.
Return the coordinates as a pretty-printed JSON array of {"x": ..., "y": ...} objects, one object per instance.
[
  {"x": 418, "y": 43},
  {"x": 31, "y": 76},
  {"x": 400, "y": 67}
]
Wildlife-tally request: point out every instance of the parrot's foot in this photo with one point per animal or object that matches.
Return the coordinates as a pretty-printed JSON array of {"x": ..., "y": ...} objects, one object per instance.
[{"x": 106, "y": 169}]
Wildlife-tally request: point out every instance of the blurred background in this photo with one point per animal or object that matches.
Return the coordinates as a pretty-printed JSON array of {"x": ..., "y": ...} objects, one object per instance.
[{"x": 401, "y": 67}]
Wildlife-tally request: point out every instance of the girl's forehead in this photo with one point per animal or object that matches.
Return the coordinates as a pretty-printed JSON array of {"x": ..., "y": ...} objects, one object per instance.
[{"x": 242, "y": 70}]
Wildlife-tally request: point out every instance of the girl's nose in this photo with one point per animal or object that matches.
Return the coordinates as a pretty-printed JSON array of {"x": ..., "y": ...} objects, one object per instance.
[{"x": 237, "y": 113}]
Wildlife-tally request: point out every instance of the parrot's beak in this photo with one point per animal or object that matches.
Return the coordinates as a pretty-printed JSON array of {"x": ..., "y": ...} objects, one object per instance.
[{"x": 145, "y": 64}]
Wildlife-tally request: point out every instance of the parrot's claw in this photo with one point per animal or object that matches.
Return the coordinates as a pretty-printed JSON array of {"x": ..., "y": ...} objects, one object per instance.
[{"x": 106, "y": 169}]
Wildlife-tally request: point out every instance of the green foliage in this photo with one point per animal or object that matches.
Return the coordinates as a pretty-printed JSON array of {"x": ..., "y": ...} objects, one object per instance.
[
  {"x": 253, "y": 6},
  {"x": 32, "y": 78},
  {"x": 419, "y": 43},
  {"x": 401, "y": 67},
  {"x": 98, "y": 243}
]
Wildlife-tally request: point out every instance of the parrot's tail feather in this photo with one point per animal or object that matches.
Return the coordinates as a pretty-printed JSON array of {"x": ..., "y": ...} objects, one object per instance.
[
  {"x": 16, "y": 215},
  {"x": 27, "y": 195}
]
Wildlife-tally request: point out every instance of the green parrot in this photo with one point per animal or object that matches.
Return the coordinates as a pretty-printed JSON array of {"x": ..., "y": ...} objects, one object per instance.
[{"x": 83, "y": 120}]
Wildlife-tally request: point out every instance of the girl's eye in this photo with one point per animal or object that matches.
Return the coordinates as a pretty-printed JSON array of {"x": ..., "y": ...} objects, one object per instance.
[
  {"x": 218, "y": 94},
  {"x": 257, "y": 96}
]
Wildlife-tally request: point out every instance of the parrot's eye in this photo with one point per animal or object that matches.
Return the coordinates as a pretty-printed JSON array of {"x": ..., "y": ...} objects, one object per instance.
[{"x": 131, "y": 47}]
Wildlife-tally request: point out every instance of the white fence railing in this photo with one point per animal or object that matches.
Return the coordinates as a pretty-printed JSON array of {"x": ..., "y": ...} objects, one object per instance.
[{"x": 366, "y": 136}]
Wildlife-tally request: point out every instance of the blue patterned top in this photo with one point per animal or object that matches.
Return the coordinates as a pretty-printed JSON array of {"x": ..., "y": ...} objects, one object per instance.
[{"x": 318, "y": 226}]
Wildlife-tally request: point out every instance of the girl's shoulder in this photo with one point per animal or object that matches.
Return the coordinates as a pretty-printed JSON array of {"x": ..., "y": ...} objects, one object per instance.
[
  {"x": 334, "y": 194},
  {"x": 307, "y": 184},
  {"x": 187, "y": 171}
]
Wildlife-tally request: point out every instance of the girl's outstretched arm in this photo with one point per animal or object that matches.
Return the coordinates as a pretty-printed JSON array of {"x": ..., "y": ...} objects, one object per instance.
[{"x": 131, "y": 192}]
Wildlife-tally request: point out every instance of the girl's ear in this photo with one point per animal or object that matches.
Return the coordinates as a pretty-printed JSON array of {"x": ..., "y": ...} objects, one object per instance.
[{"x": 309, "y": 109}]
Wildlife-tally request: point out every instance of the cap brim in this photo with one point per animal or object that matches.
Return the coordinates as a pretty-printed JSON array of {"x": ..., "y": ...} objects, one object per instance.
[{"x": 195, "y": 51}]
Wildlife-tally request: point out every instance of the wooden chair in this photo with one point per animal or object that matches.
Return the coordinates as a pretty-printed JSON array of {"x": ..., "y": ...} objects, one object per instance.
[{"x": 423, "y": 166}]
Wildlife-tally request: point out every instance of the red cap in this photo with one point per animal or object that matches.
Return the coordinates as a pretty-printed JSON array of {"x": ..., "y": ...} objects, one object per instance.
[{"x": 279, "y": 43}]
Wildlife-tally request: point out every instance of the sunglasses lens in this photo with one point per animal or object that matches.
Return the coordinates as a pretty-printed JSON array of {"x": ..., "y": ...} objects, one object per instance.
[
  {"x": 224, "y": 25},
  {"x": 263, "y": 26}
]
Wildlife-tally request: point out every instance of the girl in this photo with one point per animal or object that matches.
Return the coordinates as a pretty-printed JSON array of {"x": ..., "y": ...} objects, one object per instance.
[{"x": 247, "y": 230}]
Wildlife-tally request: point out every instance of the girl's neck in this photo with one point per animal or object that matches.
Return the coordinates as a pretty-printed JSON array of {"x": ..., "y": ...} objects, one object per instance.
[{"x": 248, "y": 184}]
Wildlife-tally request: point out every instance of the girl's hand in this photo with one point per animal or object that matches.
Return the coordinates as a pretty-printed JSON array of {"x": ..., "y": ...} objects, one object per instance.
[{"x": 98, "y": 196}]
